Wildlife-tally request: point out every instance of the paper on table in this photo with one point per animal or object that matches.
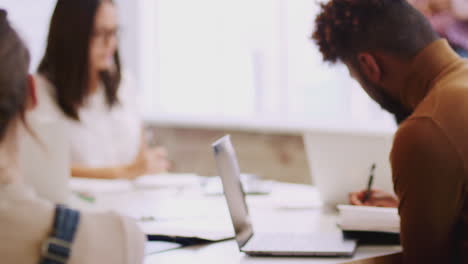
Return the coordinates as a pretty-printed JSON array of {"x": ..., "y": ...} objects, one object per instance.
[
  {"x": 368, "y": 218},
  {"x": 152, "y": 247},
  {"x": 144, "y": 182},
  {"x": 167, "y": 181},
  {"x": 99, "y": 186},
  {"x": 211, "y": 230}
]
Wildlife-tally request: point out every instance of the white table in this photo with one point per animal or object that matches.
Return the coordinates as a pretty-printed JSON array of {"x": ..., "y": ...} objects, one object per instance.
[
  {"x": 282, "y": 211},
  {"x": 267, "y": 221}
]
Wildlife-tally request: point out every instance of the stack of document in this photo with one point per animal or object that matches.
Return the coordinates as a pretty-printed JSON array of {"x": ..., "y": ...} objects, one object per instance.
[
  {"x": 188, "y": 232},
  {"x": 368, "y": 218}
]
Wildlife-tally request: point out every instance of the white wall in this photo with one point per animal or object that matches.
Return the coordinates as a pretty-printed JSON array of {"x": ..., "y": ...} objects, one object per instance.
[
  {"x": 130, "y": 36},
  {"x": 31, "y": 19}
]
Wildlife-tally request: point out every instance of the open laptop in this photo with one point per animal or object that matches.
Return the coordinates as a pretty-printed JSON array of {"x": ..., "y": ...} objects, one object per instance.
[
  {"x": 269, "y": 244},
  {"x": 340, "y": 161}
]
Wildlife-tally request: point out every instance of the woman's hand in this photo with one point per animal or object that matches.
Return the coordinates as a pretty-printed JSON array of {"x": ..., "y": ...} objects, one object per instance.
[
  {"x": 157, "y": 160},
  {"x": 149, "y": 161},
  {"x": 376, "y": 198}
]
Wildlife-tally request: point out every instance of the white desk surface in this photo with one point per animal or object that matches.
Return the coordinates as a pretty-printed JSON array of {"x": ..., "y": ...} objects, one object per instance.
[{"x": 269, "y": 213}]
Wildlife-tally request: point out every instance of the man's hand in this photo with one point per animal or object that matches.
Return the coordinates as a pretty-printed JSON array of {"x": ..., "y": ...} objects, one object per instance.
[{"x": 376, "y": 198}]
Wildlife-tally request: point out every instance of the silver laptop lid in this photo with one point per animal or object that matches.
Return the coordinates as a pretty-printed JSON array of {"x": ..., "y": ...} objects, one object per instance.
[{"x": 228, "y": 169}]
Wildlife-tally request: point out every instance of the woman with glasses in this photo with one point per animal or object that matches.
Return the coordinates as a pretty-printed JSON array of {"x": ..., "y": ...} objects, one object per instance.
[{"x": 80, "y": 80}]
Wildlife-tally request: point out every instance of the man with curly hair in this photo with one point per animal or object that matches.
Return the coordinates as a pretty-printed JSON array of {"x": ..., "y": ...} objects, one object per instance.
[{"x": 402, "y": 64}]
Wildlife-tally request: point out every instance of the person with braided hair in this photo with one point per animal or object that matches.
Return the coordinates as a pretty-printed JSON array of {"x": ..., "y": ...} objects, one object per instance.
[
  {"x": 391, "y": 49},
  {"x": 34, "y": 230}
]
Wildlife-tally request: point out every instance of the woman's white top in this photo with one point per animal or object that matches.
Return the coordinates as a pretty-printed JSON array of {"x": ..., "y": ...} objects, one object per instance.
[
  {"x": 26, "y": 221},
  {"x": 104, "y": 137}
]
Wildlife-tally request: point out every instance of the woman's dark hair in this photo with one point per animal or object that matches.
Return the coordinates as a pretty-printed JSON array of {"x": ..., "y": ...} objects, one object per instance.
[
  {"x": 66, "y": 60},
  {"x": 14, "y": 66}
]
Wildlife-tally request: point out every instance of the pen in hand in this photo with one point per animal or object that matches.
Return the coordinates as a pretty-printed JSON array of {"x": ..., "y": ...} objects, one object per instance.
[{"x": 369, "y": 184}]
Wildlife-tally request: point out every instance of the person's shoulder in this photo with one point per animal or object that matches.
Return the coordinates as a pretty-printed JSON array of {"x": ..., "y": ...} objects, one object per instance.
[
  {"x": 417, "y": 128},
  {"x": 42, "y": 83},
  {"x": 25, "y": 221},
  {"x": 42, "y": 86},
  {"x": 419, "y": 134},
  {"x": 422, "y": 145},
  {"x": 46, "y": 105},
  {"x": 446, "y": 105},
  {"x": 420, "y": 138},
  {"x": 447, "y": 100},
  {"x": 118, "y": 238}
]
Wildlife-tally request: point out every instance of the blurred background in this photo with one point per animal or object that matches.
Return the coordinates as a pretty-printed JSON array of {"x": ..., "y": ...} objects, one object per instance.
[{"x": 208, "y": 67}]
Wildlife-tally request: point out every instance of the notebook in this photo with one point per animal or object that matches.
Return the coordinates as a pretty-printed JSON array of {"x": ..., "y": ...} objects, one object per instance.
[
  {"x": 376, "y": 225},
  {"x": 188, "y": 232}
]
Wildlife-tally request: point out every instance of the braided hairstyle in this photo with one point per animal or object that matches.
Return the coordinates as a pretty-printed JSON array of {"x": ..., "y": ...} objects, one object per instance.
[
  {"x": 347, "y": 27},
  {"x": 14, "y": 65}
]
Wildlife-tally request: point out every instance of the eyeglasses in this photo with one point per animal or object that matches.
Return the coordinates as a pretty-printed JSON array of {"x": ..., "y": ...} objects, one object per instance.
[{"x": 102, "y": 36}]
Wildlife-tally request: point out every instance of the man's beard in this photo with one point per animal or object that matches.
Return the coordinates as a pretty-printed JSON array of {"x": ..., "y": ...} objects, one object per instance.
[
  {"x": 387, "y": 102},
  {"x": 399, "y": 111}
]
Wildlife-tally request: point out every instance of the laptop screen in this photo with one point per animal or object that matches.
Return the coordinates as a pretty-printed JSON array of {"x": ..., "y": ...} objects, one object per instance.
[{"x": 228, "y": 169}]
